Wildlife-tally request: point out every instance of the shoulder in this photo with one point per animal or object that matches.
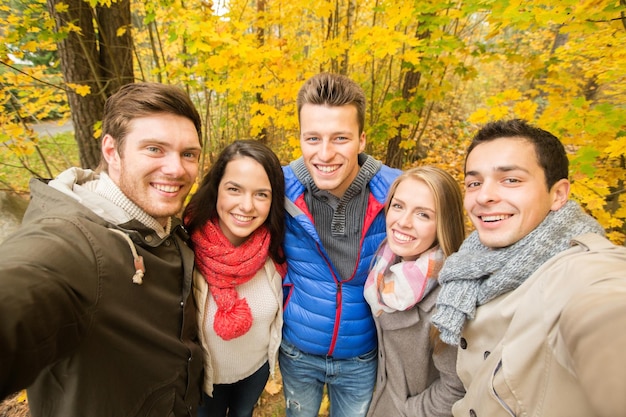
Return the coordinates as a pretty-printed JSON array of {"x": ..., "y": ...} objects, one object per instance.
[
  {"x": 293, "y": 186},
  {"x": 598, "y": 267},
  {"x": 593, "y": 328},
  {"x": 380, "y": 183},
  {"x": 592, "y": 258}
]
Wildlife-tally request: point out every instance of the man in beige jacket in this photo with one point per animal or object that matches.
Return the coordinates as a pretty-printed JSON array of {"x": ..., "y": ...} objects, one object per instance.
[{"x": 536, "y": 297}]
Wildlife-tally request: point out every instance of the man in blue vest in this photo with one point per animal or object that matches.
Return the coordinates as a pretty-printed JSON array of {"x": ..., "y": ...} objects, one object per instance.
[{"x": 335, "y": 223}]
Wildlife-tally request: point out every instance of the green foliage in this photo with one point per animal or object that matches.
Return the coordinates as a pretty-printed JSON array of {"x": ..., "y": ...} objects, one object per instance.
[
  {"x": 42, "y": 156},
  {"x": 557, "y": 64},
  {"x": 568, "y": 79},
  {"x": 29, "y": 75}
]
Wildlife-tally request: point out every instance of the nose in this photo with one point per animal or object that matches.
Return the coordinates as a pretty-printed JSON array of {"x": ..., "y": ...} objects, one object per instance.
[
  {"x": 487, "y": 193},
  {"x": 246, "y": 203},
  {"x": 326, "y": 151},
  {"x": 404, "y": 220},
  {"x": 173, "y": 165}
]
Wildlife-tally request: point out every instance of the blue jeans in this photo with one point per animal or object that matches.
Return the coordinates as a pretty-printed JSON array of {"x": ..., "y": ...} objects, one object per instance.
[
  {"x": 350, "y": 382},
  {"x": 237, "y": 399}
]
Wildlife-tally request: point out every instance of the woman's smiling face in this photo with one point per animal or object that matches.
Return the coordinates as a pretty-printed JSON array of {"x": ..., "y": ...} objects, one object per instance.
[{"x": 411, "y": 219}]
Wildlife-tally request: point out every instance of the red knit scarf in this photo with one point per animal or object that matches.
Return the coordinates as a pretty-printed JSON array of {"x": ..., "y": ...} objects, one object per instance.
[{"x": 224, "y": 267}]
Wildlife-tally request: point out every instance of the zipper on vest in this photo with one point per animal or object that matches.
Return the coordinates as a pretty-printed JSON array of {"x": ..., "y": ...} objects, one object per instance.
[{"x": 338, "y": 299}]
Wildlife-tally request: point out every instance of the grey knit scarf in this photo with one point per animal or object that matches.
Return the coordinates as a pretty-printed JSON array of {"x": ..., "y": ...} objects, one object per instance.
[{"x": 477, "y": 274}]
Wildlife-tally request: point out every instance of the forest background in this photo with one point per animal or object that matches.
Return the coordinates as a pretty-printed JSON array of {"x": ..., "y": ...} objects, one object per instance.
[{"x": 433, "y": 72}]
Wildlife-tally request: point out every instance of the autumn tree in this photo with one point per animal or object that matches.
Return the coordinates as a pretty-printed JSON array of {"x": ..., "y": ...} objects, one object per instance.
[
  {"x": 433, "y": 72},
  {"x": 565, "y": 73},
  {"x": 95, "y": 47}
]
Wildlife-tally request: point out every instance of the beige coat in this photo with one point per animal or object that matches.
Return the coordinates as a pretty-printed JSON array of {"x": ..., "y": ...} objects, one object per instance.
[
  {"x": 201, "y": 294},
  {"x": 555, "y": 346}
]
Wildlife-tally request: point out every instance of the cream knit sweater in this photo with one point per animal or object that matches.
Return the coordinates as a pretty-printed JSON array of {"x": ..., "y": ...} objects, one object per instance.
[{"x": 230, "y": 361}]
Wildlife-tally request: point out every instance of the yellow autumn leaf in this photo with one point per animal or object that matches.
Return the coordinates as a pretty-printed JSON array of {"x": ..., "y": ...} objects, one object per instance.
[
  {"x": 511, "y": 94},
  {"x": 499, "y": 112},
  {"x": 324, "y": 405},
  {"x": 71, "y": 27},
  {"x": 272, "y": 387},
  {"x": 61, "y": 7},
  {"x": 31, "y": 46},
  {"x": 411, "y": 56},
  {"x": 193, "y": 190},
  {"x": 616, "y": 237},
  {"x": 525, "y": 109},
  {"x": 13, "y": 130},
  {"x": 80, "y": 89},
  {"x": 480, "y": 116},
  {"x": 616, "y": 148},
  {"x": 22, "y": 397},
  {"x": 97, "y": 129}
]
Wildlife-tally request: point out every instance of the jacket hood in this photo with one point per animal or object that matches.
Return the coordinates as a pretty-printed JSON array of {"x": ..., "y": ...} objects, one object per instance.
[{"x": 80, "y": 184}]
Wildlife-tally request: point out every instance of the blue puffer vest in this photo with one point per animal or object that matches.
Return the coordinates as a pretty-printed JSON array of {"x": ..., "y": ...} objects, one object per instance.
[{"x": 323, "y": 315}]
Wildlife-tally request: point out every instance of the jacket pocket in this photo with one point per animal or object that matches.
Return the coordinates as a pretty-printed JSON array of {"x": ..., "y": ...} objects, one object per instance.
[
  {"x": 290, "y": 350},
  {"x": 501, "y": 392}
]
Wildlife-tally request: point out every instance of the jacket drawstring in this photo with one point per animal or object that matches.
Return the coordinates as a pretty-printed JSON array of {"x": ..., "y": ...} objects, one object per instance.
[{"x": 140, "y": 269}]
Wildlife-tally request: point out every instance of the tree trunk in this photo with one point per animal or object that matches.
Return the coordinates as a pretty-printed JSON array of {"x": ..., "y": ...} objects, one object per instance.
[
  {"x": 116, "y": 51},
  {"x": 103, "y": 63}
]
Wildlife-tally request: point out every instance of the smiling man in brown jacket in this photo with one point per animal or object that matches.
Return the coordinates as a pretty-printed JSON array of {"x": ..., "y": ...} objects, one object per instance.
[{"x": 96, "y": 314}]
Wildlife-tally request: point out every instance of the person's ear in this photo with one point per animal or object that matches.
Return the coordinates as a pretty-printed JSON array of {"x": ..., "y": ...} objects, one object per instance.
[
  {"x": 362, "y": 141},
  {"x": 110, "y": 153},
  {"x": 560, "y": 194}
]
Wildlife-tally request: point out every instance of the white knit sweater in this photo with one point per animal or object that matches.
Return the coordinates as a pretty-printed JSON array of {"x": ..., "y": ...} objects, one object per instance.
[{"x": 230, "y": 361}]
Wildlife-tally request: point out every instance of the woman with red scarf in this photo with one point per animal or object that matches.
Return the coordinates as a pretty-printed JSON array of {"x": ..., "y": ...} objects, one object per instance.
[{"x": 236, "y": 224}]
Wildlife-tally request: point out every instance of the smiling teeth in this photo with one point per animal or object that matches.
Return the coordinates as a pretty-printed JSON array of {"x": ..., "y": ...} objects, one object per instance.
[
  {"x": 167, "y": 188},
  {"x": 494, "y": 218},
  {"x": 242, "y": 218},
  {"x": 402, "y": 237},
  {"x": 327, "y": 169}
]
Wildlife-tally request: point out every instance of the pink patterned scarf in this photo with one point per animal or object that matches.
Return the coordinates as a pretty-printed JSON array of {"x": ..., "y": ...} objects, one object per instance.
[{"x": 396, "y": 285}]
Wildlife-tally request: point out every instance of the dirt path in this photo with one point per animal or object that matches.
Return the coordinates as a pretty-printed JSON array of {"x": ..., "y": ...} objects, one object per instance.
[{"x": 52, "y": 127}]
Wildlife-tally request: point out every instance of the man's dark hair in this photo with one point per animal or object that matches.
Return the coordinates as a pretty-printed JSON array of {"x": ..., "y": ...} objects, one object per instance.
[{"x": 549, "y": 150}]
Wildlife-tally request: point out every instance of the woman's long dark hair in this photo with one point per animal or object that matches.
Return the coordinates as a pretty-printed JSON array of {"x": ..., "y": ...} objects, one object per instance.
[{"x": 202, "y": 206}]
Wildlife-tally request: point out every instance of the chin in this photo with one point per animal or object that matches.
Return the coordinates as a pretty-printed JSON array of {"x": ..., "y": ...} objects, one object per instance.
[{"x": 495, "y": 243}]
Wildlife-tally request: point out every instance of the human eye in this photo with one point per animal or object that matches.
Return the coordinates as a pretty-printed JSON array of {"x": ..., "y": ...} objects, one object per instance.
[
  {"x": 472, "y": 184},
  {"x": 395, "y": 206},
  {"x": 342, "y": 139},
  {"x": 311, "y": 139},
  {"x": 232, "y": 189},
  {"x": 263, "y": 195},
  {"x": 191, "y": 155},
  {"x": 153, "y": 149},
  {"x": 511, "y": 181},
  {"x": 423, "y": 215}
]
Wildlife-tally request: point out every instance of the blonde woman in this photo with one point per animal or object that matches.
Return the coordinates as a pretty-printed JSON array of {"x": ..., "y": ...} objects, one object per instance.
[{"x": 424, "y": 223}]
